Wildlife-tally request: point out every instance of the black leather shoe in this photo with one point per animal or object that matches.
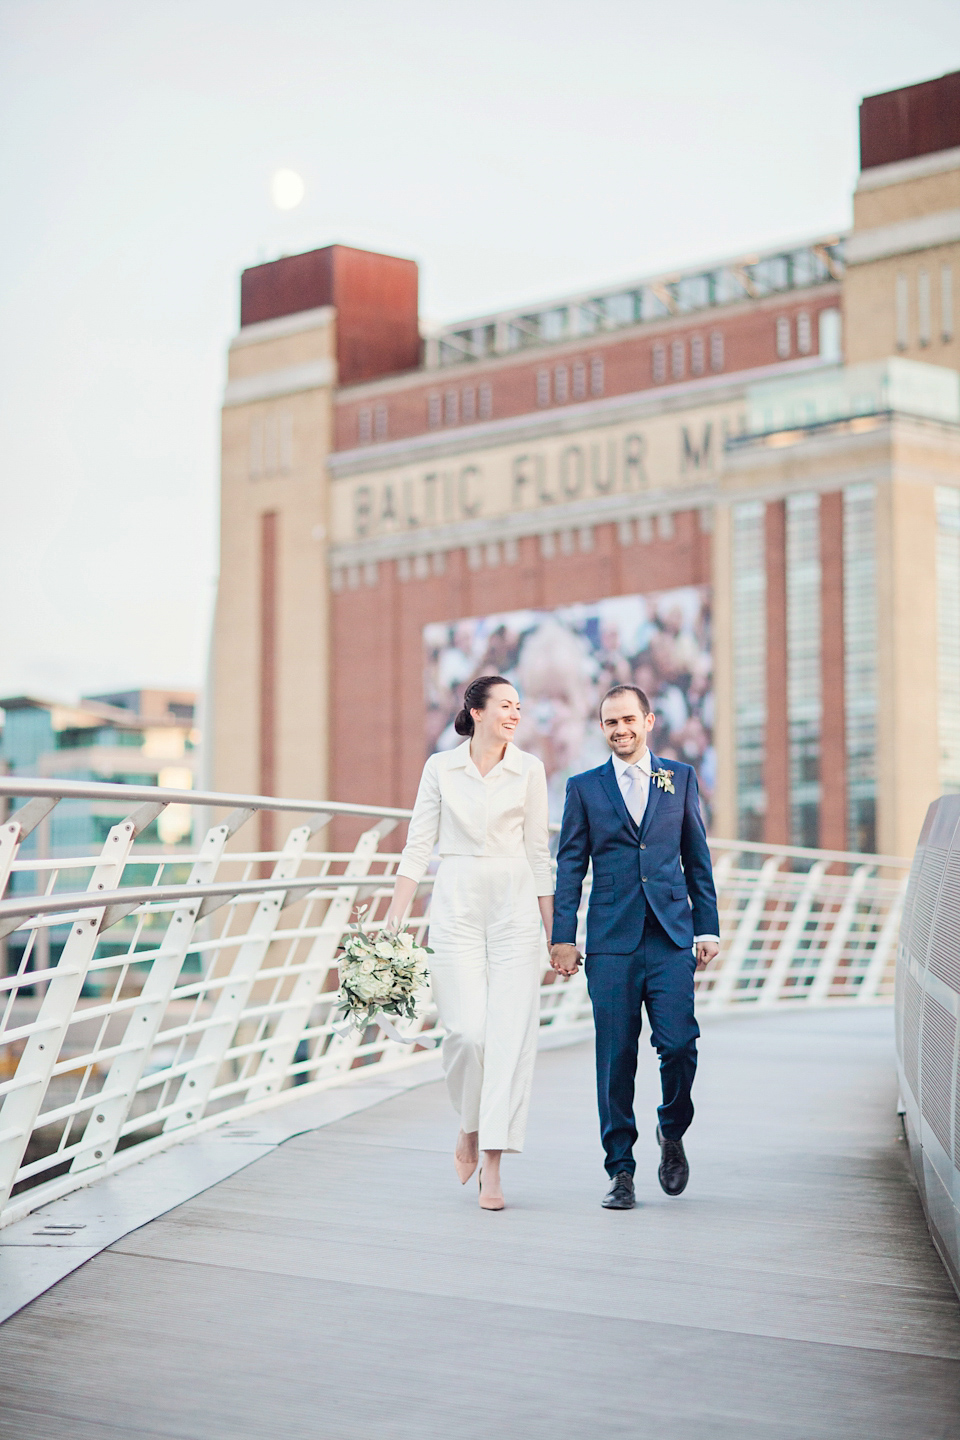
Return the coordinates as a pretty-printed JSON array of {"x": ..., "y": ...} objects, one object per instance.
[
  {"x": 674, "y": 1171},
  {"x": 620, "y": 1196}
]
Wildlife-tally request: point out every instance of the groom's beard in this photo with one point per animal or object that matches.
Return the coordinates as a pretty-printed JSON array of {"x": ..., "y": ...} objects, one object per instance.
[{"x": 623, "y": 753}]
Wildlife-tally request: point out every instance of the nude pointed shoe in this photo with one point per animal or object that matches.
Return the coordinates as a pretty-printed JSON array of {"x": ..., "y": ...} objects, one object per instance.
[
  {"x": 486, "y": 1202},
  {"x": 464, "y": 1168}
]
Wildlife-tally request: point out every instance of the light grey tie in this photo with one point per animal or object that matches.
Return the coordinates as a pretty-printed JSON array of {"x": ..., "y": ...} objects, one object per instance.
[{"x": 634, "y": 793}]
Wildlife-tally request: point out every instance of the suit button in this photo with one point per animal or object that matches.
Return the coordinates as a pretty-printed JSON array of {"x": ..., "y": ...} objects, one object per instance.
[
  {"x": 642, "y": 845},
  {"x": 644, "y": 879}
]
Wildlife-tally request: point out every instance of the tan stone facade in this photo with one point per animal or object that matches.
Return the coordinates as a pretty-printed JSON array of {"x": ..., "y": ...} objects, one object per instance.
[
  {"x": 902, "y": 284},
  {"x": 271, "y": 637}
]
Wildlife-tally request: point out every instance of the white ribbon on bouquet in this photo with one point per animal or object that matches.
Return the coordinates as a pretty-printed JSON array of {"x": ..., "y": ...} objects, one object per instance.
[{"x": 348, "y": 1023}]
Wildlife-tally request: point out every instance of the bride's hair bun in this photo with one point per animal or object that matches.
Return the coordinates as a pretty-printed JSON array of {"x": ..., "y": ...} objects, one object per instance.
[{"x": 475, "y": 698}]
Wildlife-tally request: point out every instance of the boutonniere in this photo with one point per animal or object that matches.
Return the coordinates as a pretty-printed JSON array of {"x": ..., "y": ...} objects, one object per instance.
[{"x": 664, "y": 779}]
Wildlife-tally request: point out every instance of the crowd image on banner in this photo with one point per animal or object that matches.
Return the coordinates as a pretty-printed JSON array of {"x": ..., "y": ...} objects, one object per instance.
[{"x": 563, "y": 661}]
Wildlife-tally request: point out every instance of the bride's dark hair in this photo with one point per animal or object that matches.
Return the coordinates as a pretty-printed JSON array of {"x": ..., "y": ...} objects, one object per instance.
[{"x": 475, "y": 698}]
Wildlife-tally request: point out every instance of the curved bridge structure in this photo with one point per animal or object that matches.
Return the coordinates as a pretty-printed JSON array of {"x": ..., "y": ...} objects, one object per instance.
[
  {"x": 223, "y": 1217},
  {"x": 151, "y": 994},
  {"x": 927, "y": 1010}
]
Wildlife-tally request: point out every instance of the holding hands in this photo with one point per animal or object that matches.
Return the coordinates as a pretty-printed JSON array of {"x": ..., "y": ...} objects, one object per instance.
[{"x": 565, "y": 959}]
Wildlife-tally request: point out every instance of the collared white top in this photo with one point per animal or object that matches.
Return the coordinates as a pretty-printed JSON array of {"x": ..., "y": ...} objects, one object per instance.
[
  {"x": 501, "y": 814},
  {"x": 641, "y": 783}
]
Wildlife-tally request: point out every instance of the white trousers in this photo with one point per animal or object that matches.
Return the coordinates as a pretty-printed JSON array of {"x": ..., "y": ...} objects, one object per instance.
[{"x": 487, "y": 940}]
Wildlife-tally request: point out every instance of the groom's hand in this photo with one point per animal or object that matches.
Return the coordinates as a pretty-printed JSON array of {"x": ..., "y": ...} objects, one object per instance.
[
  {"x": 707, "y": 950},
  {"x": 565, "y": 959}
]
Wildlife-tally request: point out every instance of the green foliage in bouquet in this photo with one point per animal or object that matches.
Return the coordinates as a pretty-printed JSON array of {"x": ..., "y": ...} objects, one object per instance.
[{"x": 380, "y": 974}]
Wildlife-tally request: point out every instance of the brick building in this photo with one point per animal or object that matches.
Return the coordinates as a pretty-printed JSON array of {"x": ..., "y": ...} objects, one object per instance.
[{"x": 739, "y": 483}]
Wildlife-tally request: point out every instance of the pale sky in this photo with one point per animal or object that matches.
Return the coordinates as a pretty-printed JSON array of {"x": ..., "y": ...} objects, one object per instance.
[{"x": 515, "y": 150}]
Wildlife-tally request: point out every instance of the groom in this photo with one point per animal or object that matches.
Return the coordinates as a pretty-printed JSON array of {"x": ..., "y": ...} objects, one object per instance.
[{"x": 652, "y": 900}]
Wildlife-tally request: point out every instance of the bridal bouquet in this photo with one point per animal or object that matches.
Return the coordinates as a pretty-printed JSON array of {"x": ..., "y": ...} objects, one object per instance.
[{"x": 380, "y": 974}]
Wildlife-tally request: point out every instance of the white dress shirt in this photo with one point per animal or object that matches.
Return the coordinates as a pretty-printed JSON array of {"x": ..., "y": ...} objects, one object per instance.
[
  {"x": 502, "y": 813},
  {"x": 634, "y": 782}
]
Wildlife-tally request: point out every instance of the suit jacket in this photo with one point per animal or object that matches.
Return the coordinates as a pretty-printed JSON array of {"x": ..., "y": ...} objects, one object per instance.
[{"x": 663, "y": 863}]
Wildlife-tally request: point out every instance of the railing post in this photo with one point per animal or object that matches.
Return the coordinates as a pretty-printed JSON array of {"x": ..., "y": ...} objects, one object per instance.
[
  {"x": 279, "y": 1053},
  {"x": 22, "y": 1104},
  {"x": 823, "y": 979},
  {"x": 234, "y": 993},
  {"x": 15, "y": 830},
  {"x": 787, "y": 949},
  {"x": 109, "y": 1116},
  {"x": 730, "y": 964}
]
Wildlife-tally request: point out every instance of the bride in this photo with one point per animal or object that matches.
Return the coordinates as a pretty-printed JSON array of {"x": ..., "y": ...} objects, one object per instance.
[{"x": 486, "y": 802}]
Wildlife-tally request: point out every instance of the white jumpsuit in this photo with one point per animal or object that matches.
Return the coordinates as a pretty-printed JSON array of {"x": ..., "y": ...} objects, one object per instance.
[{"x": 485, "y": 929}]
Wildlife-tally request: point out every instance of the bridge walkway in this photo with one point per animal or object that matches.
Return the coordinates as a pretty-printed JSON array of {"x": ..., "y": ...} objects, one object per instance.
[{"x": 345, "y": 1287}]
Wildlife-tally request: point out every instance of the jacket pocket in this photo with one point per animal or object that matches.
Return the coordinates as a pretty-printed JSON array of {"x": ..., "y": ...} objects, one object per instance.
[
  {"x": 679, "y": 892},
  {"x": 602, "y": 891}
]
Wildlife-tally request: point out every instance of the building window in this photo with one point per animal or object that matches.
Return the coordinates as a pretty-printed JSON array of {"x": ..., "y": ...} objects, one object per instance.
[
  {"x": 923, "y": 307},
  {"x": 434, "y": 411},
  {"x": 716, "y": 351},
  {"x": 697, "y": 356},
  {"x": 903, "y": 312},
  {"x": 750, "y": 665},
  {"x": 860, "y": 664},
  {"x": 364, "y": 426},
  {"x": 783, "y": 337},
  {"x": 659, "y": 363},
  {"x": 561, "y": 384},
  {"x": 579, "y": 380},
  {"x": 485, "y": 405},
  {"x": 468, "y": 405},
  {"x": 543, "y": 387},
  {"x": 830, "y": 337},
  {"x": 596, "y": 376},
  {"x": 380, "y": 422},
  {"x": 948, "y": 636},
  {"x": 946, "y": 303},
  {"x": 804, "y": 687},
  {"x": 804, "y": 333},
  {"x": 678, "y": 359},
  {"x": 271, "y": 446},
  {"x": 285, "y": 424},
  {"x": 451, "y": 407}
]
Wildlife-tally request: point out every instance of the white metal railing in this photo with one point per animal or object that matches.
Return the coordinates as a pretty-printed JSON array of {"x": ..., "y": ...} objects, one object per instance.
[{"x": 147, "y": 994}]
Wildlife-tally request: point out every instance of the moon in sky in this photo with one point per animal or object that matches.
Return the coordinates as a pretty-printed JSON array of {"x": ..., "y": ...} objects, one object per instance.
[{"x": 287, "y": 189}]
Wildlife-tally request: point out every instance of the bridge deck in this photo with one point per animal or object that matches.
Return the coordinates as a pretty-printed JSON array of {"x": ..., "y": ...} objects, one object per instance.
[{"x": 345, "y": 1287}]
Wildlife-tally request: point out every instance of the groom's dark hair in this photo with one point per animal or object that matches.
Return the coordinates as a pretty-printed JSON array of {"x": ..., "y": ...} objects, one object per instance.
[{"x": 621, "y": 690}]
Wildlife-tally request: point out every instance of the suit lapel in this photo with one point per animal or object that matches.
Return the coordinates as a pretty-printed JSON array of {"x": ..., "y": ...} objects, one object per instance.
[
  {"x": 608, "y": 779},
  {"x": 653, "y": 797}
]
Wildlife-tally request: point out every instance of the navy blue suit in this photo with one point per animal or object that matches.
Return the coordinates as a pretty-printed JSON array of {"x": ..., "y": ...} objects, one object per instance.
[{"x": 652, "y": 892}]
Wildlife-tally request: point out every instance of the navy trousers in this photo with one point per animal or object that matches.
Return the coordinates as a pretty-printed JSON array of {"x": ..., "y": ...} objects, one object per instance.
[{"x": 658, "y": 975}]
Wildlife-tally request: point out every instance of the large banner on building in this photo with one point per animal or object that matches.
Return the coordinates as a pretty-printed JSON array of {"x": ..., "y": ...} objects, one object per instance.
[{"x": 562, "y": 661}]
